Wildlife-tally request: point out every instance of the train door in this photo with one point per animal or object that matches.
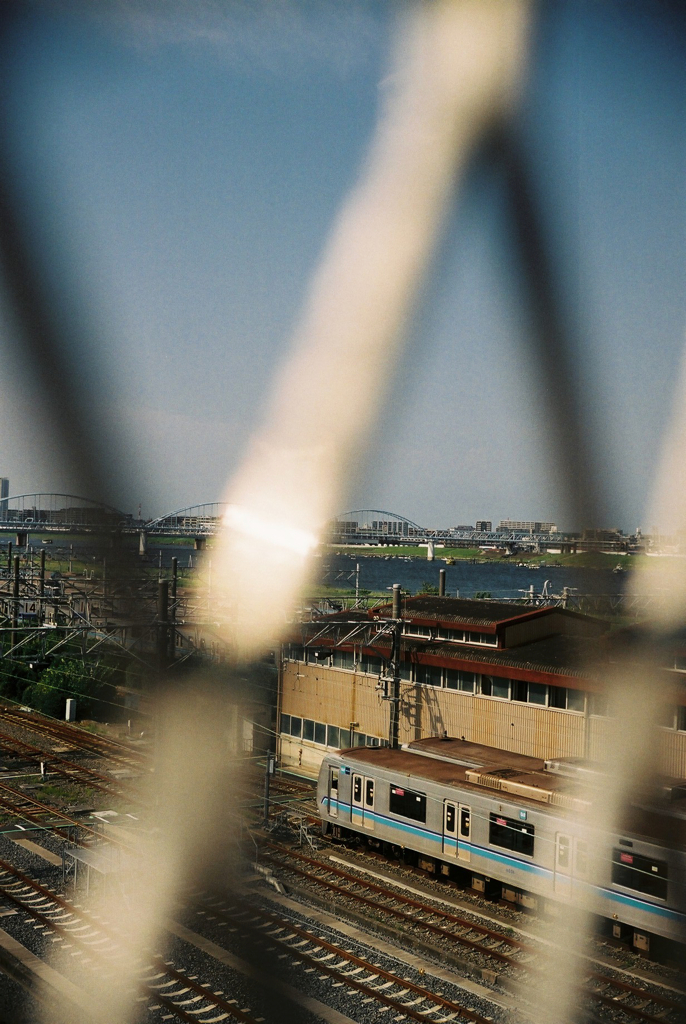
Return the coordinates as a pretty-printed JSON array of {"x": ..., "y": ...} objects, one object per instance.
[
  {"x": 464, "y": 832},
  {"x": 368, "y": 811},
  {"x": 563, "y": 865},
  {"x": 333, "y": 792},
  {"x": 450, "y": 828},
  {"x": 357, "y": 812}
]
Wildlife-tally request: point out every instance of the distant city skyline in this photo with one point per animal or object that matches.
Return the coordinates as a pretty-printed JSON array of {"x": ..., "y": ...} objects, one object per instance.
[{"x": 182, "y": 170}]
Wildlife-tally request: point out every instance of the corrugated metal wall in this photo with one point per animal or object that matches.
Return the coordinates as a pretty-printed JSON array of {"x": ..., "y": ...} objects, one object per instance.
[{"x": 339, "y": 698}]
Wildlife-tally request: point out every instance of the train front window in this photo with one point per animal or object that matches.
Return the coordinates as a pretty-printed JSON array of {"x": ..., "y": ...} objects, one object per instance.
[
  {"x": 642, "y": 874},
  {"x": 509, "y": 834}
]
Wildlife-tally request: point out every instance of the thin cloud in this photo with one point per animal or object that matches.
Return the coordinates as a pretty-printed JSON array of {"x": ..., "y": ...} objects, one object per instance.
[{"x": 262, "y": 35}]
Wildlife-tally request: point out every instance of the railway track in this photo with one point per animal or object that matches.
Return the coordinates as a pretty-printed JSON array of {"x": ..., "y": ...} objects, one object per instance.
[
  {"x": 78, "y": 773},
  {"x": 104, "y": 747},
  {"x": 44, "y": 816},
  {"x": 183, "y": 997},
  {"x": 405, "y": 909},
  {"x": 630, "y": 1001},
  {"x": 343, "y": 967}
]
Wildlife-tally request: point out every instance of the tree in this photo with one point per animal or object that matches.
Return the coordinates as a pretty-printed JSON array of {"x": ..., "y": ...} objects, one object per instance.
[{"x": 428, "y": 589}]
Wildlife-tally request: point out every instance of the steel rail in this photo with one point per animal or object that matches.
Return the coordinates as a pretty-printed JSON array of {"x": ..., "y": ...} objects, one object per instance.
[
  {"x": 404, "y": 916},
  {"x": 626, "y": 987},
  {"x": 156, "y": 963},
  {"x": 69, "y": 769},
  {"x": 346, "y": 955},
  {"x": 79, "y": 738}
]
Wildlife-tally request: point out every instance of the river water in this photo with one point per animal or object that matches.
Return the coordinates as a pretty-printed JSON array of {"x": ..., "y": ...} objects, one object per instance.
[{"x": 499, "y": 579}]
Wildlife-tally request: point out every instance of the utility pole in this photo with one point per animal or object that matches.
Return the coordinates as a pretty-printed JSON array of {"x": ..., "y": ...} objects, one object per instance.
[
  {"x": 269, "y": 767},
  {"x": 395, "y": 668},
  {"x": 41, "y": 592},
  {"x": 162, "y": 625},
  {"x": 172, "y": 610},
  {"x": 15, "y": 601}
]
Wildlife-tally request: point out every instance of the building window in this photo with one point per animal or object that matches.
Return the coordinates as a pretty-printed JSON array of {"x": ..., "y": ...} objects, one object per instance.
[
  {"x": 296, "y": 726},
  {"x": 406, "y": 671},
  {"x": 371, "y": 664},
  {"x": 576, "y": 700},
  {"x": 316, "y": 656},
  {"x": 296, "y": 653},
  {"x": 286, "y": 724},
  {"x": 493, "y": 686},
  {"x": 344, "y": 659},
  {"x": 456, "y": 679},
  {"x": 509, "y": 834},
  {"x": 407, "y": 803},
  {"x": 333, "y": 736},
  {"x": 308, "y": 729},
  {"x": 428, "y": 675},
  {"x": 320, "y": 733},
  {"x": 681, "y": 719},
  {"x": 538, "y": 694},
  {"x": 642, "y": 874},
  {"x": 519, "y": 690}
]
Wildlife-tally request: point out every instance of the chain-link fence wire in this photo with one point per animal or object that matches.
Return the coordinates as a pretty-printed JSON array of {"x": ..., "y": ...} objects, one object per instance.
[{"x": 460, "y": 73}]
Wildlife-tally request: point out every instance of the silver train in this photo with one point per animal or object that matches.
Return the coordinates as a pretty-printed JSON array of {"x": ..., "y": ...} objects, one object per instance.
[{"x": 505, "y": 823}]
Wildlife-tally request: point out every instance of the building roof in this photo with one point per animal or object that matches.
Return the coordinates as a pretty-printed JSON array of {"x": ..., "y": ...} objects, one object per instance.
[
  {"x": 559, "y": 654},
  {"x": 571, "y": 656},
  {"x": 470, "y": 612}
]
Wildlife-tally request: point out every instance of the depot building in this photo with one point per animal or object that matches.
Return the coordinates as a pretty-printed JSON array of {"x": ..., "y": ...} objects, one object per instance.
[{"x": 525, "y": 679}]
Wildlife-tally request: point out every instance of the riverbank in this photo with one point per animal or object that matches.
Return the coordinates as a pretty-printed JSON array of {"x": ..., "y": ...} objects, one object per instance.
[{"x": 581, "y": 560}]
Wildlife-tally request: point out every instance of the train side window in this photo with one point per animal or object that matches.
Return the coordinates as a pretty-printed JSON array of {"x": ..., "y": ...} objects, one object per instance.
[
  {"x": 357, "y": 788},
  {"x": 465, "y": 821},
  {"x": 563, "y": 858},
  {"x": 407, "y": 803},
  {"x": 509, "y": 834},
  {"x": 642, "y": 874},
  {"x": 369, "y": 792}
]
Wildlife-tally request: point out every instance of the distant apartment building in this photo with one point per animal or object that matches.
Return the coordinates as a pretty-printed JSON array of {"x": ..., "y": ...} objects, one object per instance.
[
  {"x": 608, "y": 536},
  {"x": 508, "y": 525},
  {"x": 4, "y": 494},
  {"x": 484, "y": 526}
]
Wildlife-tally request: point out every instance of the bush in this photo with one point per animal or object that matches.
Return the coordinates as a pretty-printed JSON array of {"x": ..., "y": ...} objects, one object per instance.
[{"x": 93, "y": 689}]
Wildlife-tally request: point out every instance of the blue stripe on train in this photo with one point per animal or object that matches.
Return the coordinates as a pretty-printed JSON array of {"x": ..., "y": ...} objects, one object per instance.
[
  {"x": 505, "y": 859},
  {"x": 436, "y": 837}
]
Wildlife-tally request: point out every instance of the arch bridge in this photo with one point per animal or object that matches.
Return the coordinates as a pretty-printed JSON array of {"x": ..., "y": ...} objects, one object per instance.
[
  {"x": 194, "y": 521},
  {"x": 372, "y": 525},
  {"x": 58, "y": 513}
]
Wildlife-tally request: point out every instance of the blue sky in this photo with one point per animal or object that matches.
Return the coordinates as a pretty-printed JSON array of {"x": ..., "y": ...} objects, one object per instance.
[{"x": 182, "y": 164}]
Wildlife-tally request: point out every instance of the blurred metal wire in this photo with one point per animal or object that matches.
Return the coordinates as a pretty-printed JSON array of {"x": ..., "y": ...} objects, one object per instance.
[
  {"x": 80, "y": 437},
  {"x": 40, "y": 313}
]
